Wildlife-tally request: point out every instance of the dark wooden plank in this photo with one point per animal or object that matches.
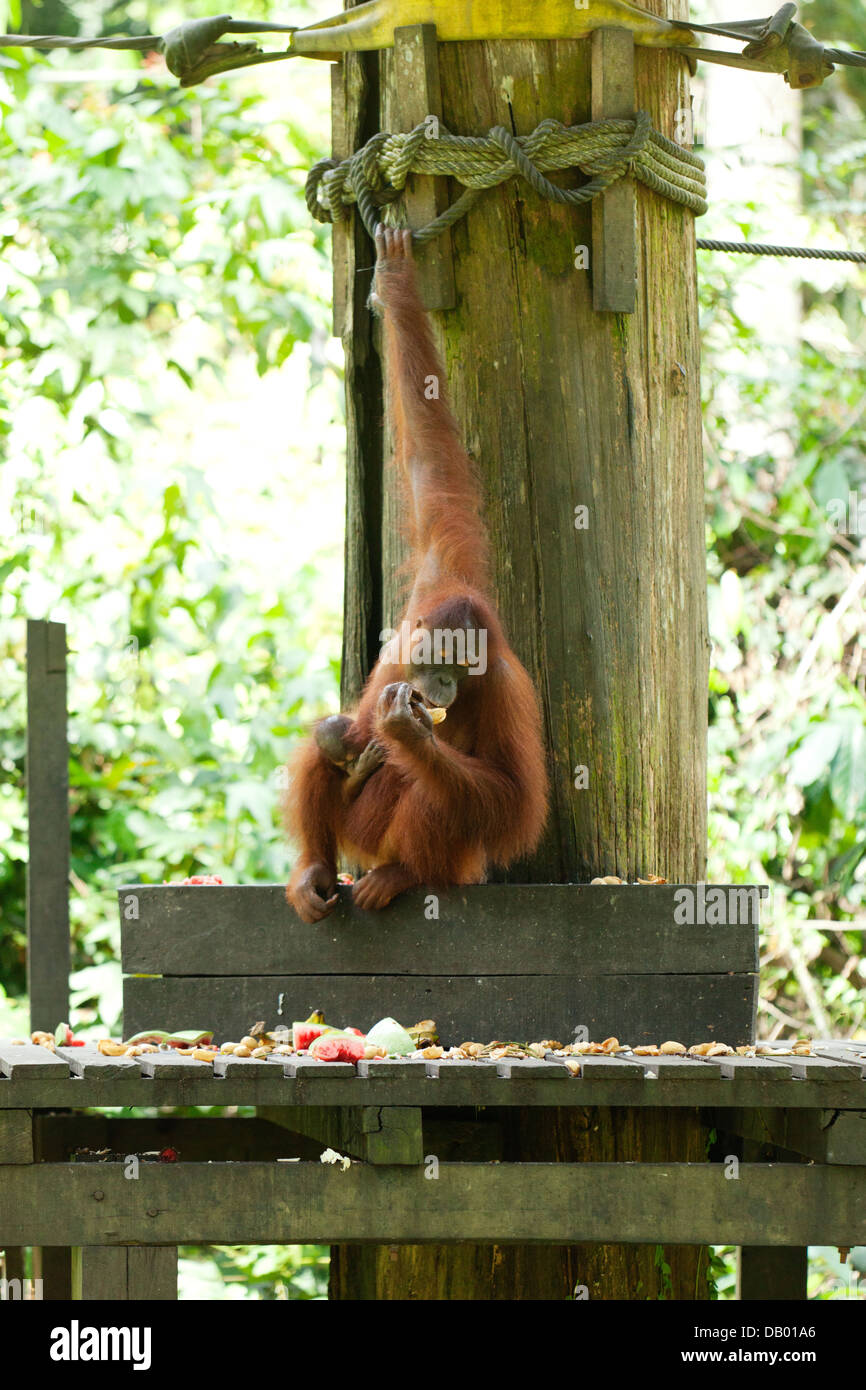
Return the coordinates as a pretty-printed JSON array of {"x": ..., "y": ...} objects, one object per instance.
[
  {"x": 614, "y": 256},
  {"x": 527, "y": 929},
  {"x": 340, "y": 149},
  {"x": 827, "y": 1136},
  {"x": 205, "y": 1138},
  {"x": 418, "y": 96},
  {"x": 853, "y": 1053},
  {"x": 53, "y": 1265},
  {"x": 531, "y": 1069},
  {"x": 822, "y": 1069},
  {"x": 458, "y": 1070},
  {"x": 744, "y": 1067},
  {"x": 89, "y": 1062},
  {"x": 312, "y": 1203},
  {"x": 29, "y": 1062},
  {"x": 225, "y": 1064},
  {"x": 16, "y": 1136},
  {"x": 478, "y": 1084},
  {"x": 114, "y": 1274},
  {"x": 610, "y": 1068},
  {"x": 393, "y": 1134},
  {"x": 151, "y": 1273},
  {"x": 636, "y": 1009},
  {"x": 382, "y": 1068},
  {"x": 12, "y": 1265},
  {"x": 169, "y": 1067},
  {"x": 683, "y": 1070},
  {"x": 47, "y": 826},
  {"x": 307, "y": 1068},
  {"x": 386, "y": 1134},
  {"x": 772, "y": 1274}
]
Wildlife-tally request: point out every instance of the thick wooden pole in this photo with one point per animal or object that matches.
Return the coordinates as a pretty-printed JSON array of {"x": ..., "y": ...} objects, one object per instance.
[{"x": 564, "y": 408}]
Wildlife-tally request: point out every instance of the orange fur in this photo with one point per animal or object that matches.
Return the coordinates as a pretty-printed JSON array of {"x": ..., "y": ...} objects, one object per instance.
[{"x": 441, "y": 808}]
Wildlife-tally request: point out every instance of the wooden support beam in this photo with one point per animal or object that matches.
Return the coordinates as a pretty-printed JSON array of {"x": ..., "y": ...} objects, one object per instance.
[
  {"x": 502, "y": 1203},
  {"x": 204, "y": 1139},
  {"x": 376, "y": 1134},
  {"x": 417, "y": 98},
  {"x": 772, "y": 1274},
  {"x": 828, "y": 1136},
  {"x": 340, "y": 230},
  {"x": 16, "y": 1136},
  {"x": 614, "y": 261},
  {"x": 47, "y": 826},
  {"x": 119, "y": 1274}
]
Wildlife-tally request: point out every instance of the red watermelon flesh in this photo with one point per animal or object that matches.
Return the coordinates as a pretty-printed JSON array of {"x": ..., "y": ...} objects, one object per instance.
[
  {"x": 304, "y": 1033},
  {"x": 338, "y": 1047},
  {"x": 356, "y": 1032}
]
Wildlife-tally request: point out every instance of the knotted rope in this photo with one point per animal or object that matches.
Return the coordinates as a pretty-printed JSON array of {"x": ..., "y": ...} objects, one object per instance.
[{"x": 607, "y": 150}]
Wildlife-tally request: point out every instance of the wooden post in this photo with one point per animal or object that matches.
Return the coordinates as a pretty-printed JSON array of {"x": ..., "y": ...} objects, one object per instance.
[
  {"x": 120, "y": 1273},
  {"x": 772, "y": 1273},
  {"x": 614, "y": 260},
  {"x": 586, "y": 428},
  {"x": 418, "y": 97},
  {"x": 48, "y": 826}
]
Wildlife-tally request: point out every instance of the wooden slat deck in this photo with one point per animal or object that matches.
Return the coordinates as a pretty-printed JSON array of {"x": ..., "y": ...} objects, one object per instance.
[{"x": 32, "y": 1077}]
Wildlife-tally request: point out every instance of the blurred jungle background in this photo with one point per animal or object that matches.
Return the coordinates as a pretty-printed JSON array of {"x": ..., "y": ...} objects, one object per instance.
[{"x": 171, "y": 426}]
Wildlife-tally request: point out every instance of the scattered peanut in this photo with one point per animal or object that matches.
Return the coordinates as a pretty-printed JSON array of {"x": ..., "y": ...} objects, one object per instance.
[
  {"x": 672, "y": 1049},
  {"x": 249, "y": 1042},
  {"x": 228, "y": 1047},
  {"x": 108, "y": 1048},
  {"x": 242, "y": 1051}
]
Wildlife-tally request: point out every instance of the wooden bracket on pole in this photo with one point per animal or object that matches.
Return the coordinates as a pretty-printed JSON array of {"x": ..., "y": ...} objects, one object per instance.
[
  {"x": 340, "y": 230},
  {"x": 418, "y": 97},
  {"x": 614, "y": 258}
]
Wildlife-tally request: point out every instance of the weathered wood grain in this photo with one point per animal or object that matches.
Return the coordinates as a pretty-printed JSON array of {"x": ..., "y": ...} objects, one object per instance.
[
  {"x": 26, "y": 1061},
  {"x": 89, "y": 1062},
  {"x": 772, "y": 1274},
  {"x": 507, "y": 928},
  {"x": 119, "y": 1274},
  {"x": 203, "y": 1139},
  {"x": 636, "y": 1009},
  {"x": 827, "y": 1136},
  {"x": 376, "y": 1134},
  {"x": 47, "y": 826},
  {"x": 418, "y": 96},
  {"x": 16, "y": 1136},
  {"x": 169, "y": 1067},
  {"x": 614, "y": 260},
  {"x": 311, "y": 1203}
]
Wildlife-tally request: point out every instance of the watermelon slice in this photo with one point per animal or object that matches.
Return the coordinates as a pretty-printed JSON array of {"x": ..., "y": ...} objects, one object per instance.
[
  {"x": 356, "y": 1032},
  {"x": 337, "y": 1047},
  {"x": 304, "y": 1033}
]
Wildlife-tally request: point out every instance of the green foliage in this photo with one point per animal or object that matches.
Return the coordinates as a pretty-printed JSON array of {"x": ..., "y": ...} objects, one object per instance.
[
  {"x": 786, "y": 468},
  {"x": 261, "y": 1272},
  {"x": 179, "y": 511}
]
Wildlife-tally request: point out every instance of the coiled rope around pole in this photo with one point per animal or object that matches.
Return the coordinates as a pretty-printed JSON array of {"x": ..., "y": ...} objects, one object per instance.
[{"x": 607, "y": 150}]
